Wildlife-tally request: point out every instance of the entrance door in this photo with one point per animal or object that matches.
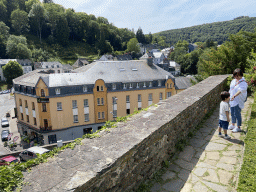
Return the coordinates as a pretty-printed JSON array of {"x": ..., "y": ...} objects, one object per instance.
[
  {"x": 52, "y": 139},
  {"x": 45, "y": 123}
]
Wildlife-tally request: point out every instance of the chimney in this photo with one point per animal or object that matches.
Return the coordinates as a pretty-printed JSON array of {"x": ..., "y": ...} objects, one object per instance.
[{"x": 150, "y": 61}]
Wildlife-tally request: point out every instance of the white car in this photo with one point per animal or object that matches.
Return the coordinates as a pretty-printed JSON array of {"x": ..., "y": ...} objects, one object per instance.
[
  {"x": 31, "y": 152},
  {"x": 4, "y": 122}
]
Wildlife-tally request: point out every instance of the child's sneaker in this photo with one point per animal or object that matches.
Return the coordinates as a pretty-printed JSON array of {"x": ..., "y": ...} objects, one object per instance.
[
  {"x": 230, "y": 127},
  {"x": 227, "y": 137},
  {"x": 236, "y": 129}
]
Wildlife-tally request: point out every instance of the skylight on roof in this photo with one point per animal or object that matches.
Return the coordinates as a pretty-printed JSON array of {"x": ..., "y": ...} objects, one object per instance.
[
  {"x": 122, "y": 69},
  {"x": 134, "y": 69}
]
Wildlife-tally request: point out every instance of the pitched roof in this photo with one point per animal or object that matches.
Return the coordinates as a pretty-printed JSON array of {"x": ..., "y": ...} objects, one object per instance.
[
  {"x": 50, "y": 64},
  {"x": 174, "y": 64},
  {"x": 80, "y": 62},
  {"x": 184, "y": 82},
  {"x": 109, "y": 71},
  {"x": 124, "y": 57},
  {"x": 157, "y": 54}
]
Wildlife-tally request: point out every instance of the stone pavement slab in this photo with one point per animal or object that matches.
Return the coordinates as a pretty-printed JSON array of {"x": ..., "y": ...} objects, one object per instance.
[{"x": 208, "y": 163}]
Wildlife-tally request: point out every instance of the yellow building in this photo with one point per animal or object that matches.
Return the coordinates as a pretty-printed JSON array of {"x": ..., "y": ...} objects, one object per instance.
[{"x": 65, "y": 106}]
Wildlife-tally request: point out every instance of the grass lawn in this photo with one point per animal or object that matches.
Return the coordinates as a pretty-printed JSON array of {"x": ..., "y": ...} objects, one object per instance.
[{"x": 247, "y": 177}]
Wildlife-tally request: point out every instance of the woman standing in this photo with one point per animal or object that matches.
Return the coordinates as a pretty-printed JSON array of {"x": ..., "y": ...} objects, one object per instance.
[{"x": 238, "y": 95}]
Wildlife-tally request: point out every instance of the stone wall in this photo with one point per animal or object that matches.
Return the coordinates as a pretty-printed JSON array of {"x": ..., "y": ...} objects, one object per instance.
[{"x": 124, "y": 157}]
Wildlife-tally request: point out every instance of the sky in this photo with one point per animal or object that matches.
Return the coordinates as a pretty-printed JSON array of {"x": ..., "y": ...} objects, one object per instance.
[{"x": 160, "y": 15}]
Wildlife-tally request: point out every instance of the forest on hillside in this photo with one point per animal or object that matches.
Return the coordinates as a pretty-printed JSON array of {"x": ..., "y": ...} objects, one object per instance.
[
  {"x": 44, "y": 29},
  {"x": 217, "y": 31}
]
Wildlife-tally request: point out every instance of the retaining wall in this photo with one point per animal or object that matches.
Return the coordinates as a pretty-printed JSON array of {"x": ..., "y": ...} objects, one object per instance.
[{"x": 124, "y": 157}]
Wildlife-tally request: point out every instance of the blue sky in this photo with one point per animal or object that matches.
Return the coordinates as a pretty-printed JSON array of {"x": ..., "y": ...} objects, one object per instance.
[{"x": 160, "y": 15}]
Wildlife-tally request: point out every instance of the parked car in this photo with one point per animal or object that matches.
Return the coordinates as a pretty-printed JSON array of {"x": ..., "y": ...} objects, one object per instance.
[
  {"x": 4, "y": 122},
  {"x": 4, "y": 135},
  {"x": 7, "y": 160},
  {"x": 31, "y": 152}
]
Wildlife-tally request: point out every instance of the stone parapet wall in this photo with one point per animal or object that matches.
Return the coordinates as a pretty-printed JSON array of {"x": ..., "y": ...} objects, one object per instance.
[{"x": 124, "y": 157}]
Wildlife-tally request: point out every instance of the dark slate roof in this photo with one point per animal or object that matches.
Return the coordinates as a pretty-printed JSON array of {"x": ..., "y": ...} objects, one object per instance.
[
  {"x": 67, "y": 66},
  {"x": 108, "y": 57},
  {"x": 183, "y": 82},
  {"x": 80, "y": 62}
]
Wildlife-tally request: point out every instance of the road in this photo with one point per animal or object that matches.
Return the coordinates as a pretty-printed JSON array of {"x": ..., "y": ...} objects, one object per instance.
[{"x": 6, "y": 103}]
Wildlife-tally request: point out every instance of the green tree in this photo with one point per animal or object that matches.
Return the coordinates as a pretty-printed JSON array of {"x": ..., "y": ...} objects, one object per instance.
[
  {"x": 62, "y": 30},
  {"x": 29, "y": 4},
  {"x": 39, "y": 15},
  {"x": 3, "y": 11},
  {"x": 39, "y": 55},
  {"x": 47, "y": 1},
  {"x": 132, "y": 46},
  {"x": 11, "y": 71},
  {"x": 19, "y": 21},
  {"x": 4, "y": 34},
  {"x": 140, "y": 36},
  {"x": 17, "y": 47}
]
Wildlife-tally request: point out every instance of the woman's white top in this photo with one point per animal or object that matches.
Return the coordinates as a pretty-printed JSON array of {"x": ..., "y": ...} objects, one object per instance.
[{"x": 236, "y": 86}]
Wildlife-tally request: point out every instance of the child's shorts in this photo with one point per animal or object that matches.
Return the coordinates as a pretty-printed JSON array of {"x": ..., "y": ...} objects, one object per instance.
[{"x": 223, "y": 124}]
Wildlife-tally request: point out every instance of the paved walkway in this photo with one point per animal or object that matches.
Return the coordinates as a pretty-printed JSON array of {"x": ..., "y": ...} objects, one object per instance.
[{"x": 208, "y": 163}]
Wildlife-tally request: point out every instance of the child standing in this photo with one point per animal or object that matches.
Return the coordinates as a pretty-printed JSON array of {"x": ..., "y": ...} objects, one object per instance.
[{"x": 224, "y": 114}]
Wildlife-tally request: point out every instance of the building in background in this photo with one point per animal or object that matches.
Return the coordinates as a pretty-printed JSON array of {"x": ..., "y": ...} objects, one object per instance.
[
  {"x": 64, "y": 106},
  {"x": 53, "y": 67},
  {"x": 25, "y": 63}
]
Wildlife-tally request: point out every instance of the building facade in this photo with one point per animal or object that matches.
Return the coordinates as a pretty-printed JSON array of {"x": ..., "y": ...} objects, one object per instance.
[{"x": 64, "y": 106}]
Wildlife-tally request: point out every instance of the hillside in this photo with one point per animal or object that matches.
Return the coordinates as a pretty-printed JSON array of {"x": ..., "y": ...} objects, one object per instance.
[{"x": 217, "y": 31}]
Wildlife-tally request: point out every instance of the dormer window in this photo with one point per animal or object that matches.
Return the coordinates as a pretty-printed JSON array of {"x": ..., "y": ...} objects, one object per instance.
[
  {"x": 113, "y": 86},
  {"x": 57, "y": 91},
  {"x": 124, "y": 87},
  {"x": 46, "y": 66},
  {"x": 84, "y": 88},
  {"x": 130, "y": 86},
  {"x": 150, "y": 84},
  {"x": 138, "y": 85},
  {"x": 52, "y": 66},
  {"x": 144, "y": 85},
  {"x": 159, "y": 83},
  {"x": 58, "y": 66}
]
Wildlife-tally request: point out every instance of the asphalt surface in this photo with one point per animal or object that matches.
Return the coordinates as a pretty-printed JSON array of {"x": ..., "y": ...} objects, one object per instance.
[{"x": 6, "y": 104}]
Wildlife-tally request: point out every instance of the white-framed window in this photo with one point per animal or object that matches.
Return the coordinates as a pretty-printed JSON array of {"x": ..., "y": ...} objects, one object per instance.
[
  {"x": 138, "y": 85},
  {"x": 114, "y": 113},
  {"x": 114, "y": 99},
  {"x": 99, "y": 115},
  {"x": 86, "y": 104},
  {"x": 170, "y": 85},
  {"x": 74, "y": 104},
  {"x": 98, "y": 101},
  {"x": 59, "y": 106},
  {"x": 85, "y": 88},
  {"x": 103, "y": 115},
  {"x": 130, "y": 86},
  {"x": 150, "y": 84},
  {"x": 167, "y": 85},
  {"x": 101, "y": 88},
  {"x": 169, "y": 94},
  {"x": 159, "y": 83},
  {"x": 113, "y": 86},
  {"x": 161, "y": 96},
  {"x": 57, "y": 91},
  {"x": 150, "y": 96},
  {"x": 139, "y": 97},
  {"x": 86, "y": 117},
  {"x": 127, "y": 98},
  {"x": 124, "y": 86},
  {"x": 144, "y": 84},
  {"x": 75, "y": 117},
  {"x": 102, "y": 101}
]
